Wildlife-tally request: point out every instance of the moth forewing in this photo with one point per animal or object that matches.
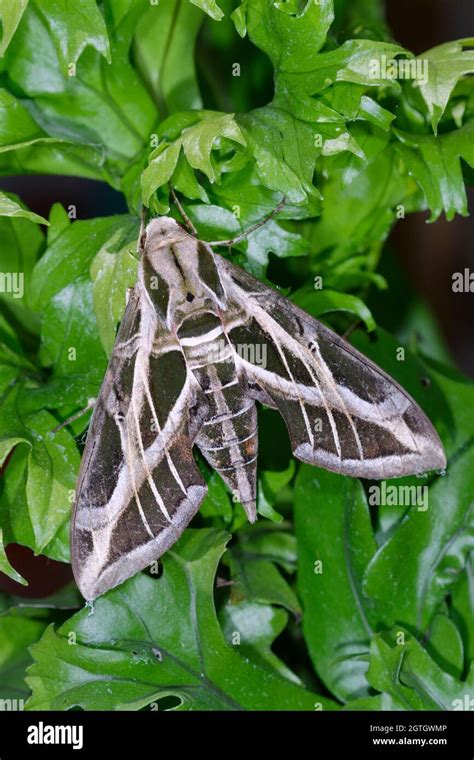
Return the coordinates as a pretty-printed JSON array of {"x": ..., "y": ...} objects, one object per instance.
[
  {"x": 342, "y": 411},
  {"x": 178, "y": 376}
]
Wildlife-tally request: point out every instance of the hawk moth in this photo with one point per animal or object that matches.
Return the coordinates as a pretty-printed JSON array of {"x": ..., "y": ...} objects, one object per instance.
[{"x": 178, "y": 378}]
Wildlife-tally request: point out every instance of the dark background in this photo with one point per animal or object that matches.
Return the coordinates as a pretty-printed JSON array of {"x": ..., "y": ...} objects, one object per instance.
[{"x": 431, "y": 253}]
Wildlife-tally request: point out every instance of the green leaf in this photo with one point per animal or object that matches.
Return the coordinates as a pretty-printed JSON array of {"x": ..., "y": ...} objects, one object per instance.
[
  {"x": 216, "y": 502},
  {"x": 210, "y": 7},
  {"x": 67, "y": 598},
  {"x": 408, "y": 673},
  {"x": 270, "y": 542},
  {"x": 360, "y": 207},
  {"x": 70, "y": 342},
  {"x": 74, "y": 26},
  {"x": 462, "y": 608},
  {"x": 253, "y": 627},
  {"x": 269, "y": 485},
  {"x": 291, "y": 42},
  {"x": 435, "y": 164},
  {"x": 415, "y": 568},
  {"x": 26, "y": 147},
  {"x": 445, "y": 646},
  {"x": 335, "y": 545},
  {"x": 258, "y": 579},
  {"x": 9, "y": 207},
  {"x": 319, "y": 302},
  {"x": 160, "y": 169},
  {"x": 112, "y": 272},
  {"x": 21, "y": 246},
  {"x": 284, "y": 151},
  {"x": 11, "y": 12},
  {"x": 72, "y": 252},
  {"x": 52, "y": 469},
  {"x": 239, "y": 19},
  {"x": 17, "y": 634},
  {"x": 5, "y": 566},
  {"x": 164, "y": 52},
  {"x": 39, "y": 482},
  {"x": 59, "y": 221},
  {"x": 103, "y": 105},
  {"x": 198, "y": 141},
  {"x": 447, "y": 64},
  {"x": 149, "y": 639},
  {"x": 352, "y": 62}
]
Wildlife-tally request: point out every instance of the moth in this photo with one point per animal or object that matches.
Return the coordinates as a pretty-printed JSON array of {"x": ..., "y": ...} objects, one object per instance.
[{"x": 200, "y": 343}]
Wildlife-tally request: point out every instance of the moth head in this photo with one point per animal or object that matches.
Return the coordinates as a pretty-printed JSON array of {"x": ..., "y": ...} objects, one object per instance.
[{"x": 163, "y": 231}]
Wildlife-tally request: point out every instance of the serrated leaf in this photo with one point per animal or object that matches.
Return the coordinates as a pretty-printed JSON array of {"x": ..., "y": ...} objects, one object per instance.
[
  {"x": 284, "y": 151},
  {"x": 149, "y": 639},
  {"x": 447, "y": 64},
  {"x": 252, "y": 628},
  {"x": 291, "y": 42},
  {"x": 435, "y": 164},
  {"x": 52, "y": 470},
  {"x": 198, "y": 140},
  {"x": 406, "y": 671}
]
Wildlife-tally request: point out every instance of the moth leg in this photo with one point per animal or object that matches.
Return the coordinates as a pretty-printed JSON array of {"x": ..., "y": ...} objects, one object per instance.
[
  {"x": 142, "y": 233},
  {"x": 184, "y": 215},
  {"x": 90, "y": 405},
  {"x": 247, "y": 232}
]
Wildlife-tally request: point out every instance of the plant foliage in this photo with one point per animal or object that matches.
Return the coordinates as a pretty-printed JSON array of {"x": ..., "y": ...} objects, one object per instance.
[{"x": 328, "y": 602}]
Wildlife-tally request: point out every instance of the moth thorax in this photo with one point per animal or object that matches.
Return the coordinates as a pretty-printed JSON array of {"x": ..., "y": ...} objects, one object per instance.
[{"x": 199, "y": 326}]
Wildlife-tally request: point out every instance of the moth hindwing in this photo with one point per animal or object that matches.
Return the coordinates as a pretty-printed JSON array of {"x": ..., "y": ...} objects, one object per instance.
[{"x": 201, "y": 341}]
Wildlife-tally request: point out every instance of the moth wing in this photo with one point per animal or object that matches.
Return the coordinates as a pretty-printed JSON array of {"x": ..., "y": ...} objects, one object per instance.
[
  {"x": 342, "y": 411},
  {"x": 138, "y": 485}
]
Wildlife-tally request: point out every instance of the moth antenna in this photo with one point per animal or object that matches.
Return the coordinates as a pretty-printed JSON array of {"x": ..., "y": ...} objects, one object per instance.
[
  {"x": 74, "y": 417},
  {"x": 247, "y": 232},
  {"x": 184, "y": 215}
]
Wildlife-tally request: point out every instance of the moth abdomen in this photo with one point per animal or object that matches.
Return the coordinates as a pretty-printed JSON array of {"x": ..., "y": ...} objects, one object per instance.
[{"x": 229, "y": 437}]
